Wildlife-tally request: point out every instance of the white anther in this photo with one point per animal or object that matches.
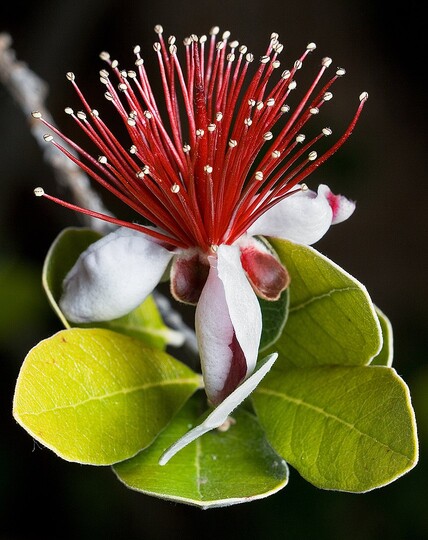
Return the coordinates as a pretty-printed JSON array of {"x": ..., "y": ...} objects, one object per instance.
[
  {"x": 139, "y": 62},
  {"x": 95, "y": 113},
  {"x": 158, "y": 29},
  {"x": 274, "y": 36},
  {"x": 137, "y": 49},
  {"x": 171, "y": 40},
  {"x": 251, "y": 102},
  {"x": 249, "y": 57},
  {"x": 114, "y": 64},
  {"x": 304, "y": 187},
  {"x": 146, "y": 169},
  {"x": 285, "y": 108},
  {"x": 102, "y": 160},
  {"x": 259, "y": 105},
  {"x": 326, "y": 62},
  {"x": 243, "y": 49},
  {"x": 327, "y": 96},
  {"x": 258, "y": 176},
  {"x": 218, "y": 116},
  {"x": 208, "y": 169},
  {"x": 103, "y": 80},
  {"x": 270, "y": 102},
  {"x": 232, "y": 143},
  {"x": 226, "y": 35},
  {"x": 68, "y": 110},
  {"x": 211, "y": 127},
  {"x": 214, "y": 31},
  {"x": 312, "y": 156},
  {"x": 314, "y": 110},
  {"x": 300, "y": 138},
  {"x": 248, "y": 121},
  {"x": 230, "y": 57},
  {"x": 157, "y": 46},
  {"x": 268, "y": 136},
  {"x": 70, "y": 76},
  {"x": 279, "y": 48},
  {"x": 140, "y": 174},
  {"x": 340, "y": 72},
  {"x": 292, "y": 85},
  {"x": 39, "y": 192},
  {"x": 234, "y": 44},
  {"x": 275, "y": 154},
  {"x": 48, "y": 137},
  {"x": 122, "y": 87},
  {"x": 132, "y": 74},
  {"x": 264, "y": 59},
  {"x": 36, "y": 114},
  {"x": 220, "y": 45},
  {"x": 186, "y": 148},
  {"x": 148, "y": 115},
  {"x": 311, "y": 46},
  {"x": 131, "y": 122},
  {"x": 285, "y": 74},
  {"x": 175, "y": 188},
  {"x": 364, "y": 96},
  {"x": 173, "y": 50},
  {"x": 133, "y": 149},
  {"x": 81, "y": 115},
  {"x": 327, "y": 131},
  {"x": 187, "y": 41},
  {"x": 298, "y": 64},
  {"x": 200, "y": 133},
  {"x": 124, "y": 74},
  {"x": 203, "y": 39},
  {"x": 108, "y": 96},
  {"x": 104, "y": 55},
  {"x": 276, "y": 64},
  {"x": 104, "y": 73}
]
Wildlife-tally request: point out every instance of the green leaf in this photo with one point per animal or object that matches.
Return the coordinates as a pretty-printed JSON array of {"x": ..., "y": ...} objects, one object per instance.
[
  {"x": 220, "y": 468},
  {"x": 386, "y": 354},
  {"x": 274, "y": 317},
  {"x": 331, "y": 317},
  {"x": 343, "y": 428},
  {"x": 62, "y": 255},
  {"x": 97, "y": 397},
  {"x": 144, "y": 323}
]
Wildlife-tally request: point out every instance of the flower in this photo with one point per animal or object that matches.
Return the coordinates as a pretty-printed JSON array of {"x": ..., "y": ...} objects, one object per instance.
[{"x": 217, "y": 165}]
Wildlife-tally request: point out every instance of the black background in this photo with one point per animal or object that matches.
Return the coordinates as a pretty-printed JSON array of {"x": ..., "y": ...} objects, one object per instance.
[{"x": 382, "y": 167}]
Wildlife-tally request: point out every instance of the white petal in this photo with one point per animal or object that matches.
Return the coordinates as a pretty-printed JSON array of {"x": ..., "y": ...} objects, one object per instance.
[
  {"x": 342, "y": 207},
  {"x": 113, "y": 276},
  {"x": 303, "y": 218},
  {"x": 222, "y": 411},
  {"x": 227, "y": 307}
]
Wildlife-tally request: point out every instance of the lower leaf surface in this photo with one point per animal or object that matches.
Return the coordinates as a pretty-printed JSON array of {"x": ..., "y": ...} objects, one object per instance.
[{"x": 220, "y": 468}]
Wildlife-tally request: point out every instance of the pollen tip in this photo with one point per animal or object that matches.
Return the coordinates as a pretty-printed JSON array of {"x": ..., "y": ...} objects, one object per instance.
[
  {"x": 327, "y": 131},
  {"x": 39, "y": 192},
  {"x": 311, "y": 46},
  {"x": 70, "y": 76},
  {"x": 36, "y": 114},
  {"x": 340, "y": 72},
  {"x": 304, "y": 187},
  {"x": 312, "y": 156},
  {"x": 104, "y": 55},
  {"x": 48, "y": 137},
  {"x": 158, "y": 29},
  {"x": 326, "y": 62},
  {"x": 214, "y": 31},
  {"x": 364, "y": 96},
  {"x": 68, "y": 110}
]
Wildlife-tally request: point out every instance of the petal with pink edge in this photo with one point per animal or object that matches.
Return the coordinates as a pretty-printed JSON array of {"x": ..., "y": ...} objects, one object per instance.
[
  {"x": 228, "y": 325},
  {"x": 342, "y": 207},
  {"x": 303, "y": 218},
  {"x": 113, "y": 276}
]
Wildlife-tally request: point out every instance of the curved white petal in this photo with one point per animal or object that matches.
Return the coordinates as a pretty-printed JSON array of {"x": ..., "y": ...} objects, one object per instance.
[
  {"x": 342, "y": 207},
  {"x": 113, "y": 276},
  {"x": 227, "y": 308},
  {"x": 221, "y": 413},
  {"x": 303, "y": 218}
]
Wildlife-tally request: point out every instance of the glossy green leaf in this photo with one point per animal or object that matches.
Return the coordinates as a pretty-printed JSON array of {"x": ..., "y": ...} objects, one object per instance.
[
  {"x": 274, "y": 317},
  {"x": 331, "y": 318},
  {"x": 144, "y": 323},
  {"x": 386, "y": 354},
  {"x": 220, "y": 468},
  {"x": 343, "y": 428},
  {"x": 98, "y": 397}
]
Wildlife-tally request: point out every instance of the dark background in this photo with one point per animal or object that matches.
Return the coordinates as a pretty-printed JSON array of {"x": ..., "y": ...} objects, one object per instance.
[{"x": 383, "y": 245}]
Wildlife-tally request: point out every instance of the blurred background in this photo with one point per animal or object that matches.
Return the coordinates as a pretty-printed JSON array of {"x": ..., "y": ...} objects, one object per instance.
[{"x": 382, "y": 167}]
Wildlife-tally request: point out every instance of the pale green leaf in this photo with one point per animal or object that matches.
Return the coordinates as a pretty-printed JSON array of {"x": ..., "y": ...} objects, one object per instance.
[
  {"x": 343, "y": 428},
  {"x": 386, "y": 354},
  {"x": 220, "y": 468},
  {"x": 331, "y": 317},
  {"x": 144, "y": 323},
  {"x": 98, "y": 397}
]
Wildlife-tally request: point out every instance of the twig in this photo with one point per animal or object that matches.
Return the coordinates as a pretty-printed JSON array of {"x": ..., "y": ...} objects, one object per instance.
[{"x": 30, "y": 92}]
